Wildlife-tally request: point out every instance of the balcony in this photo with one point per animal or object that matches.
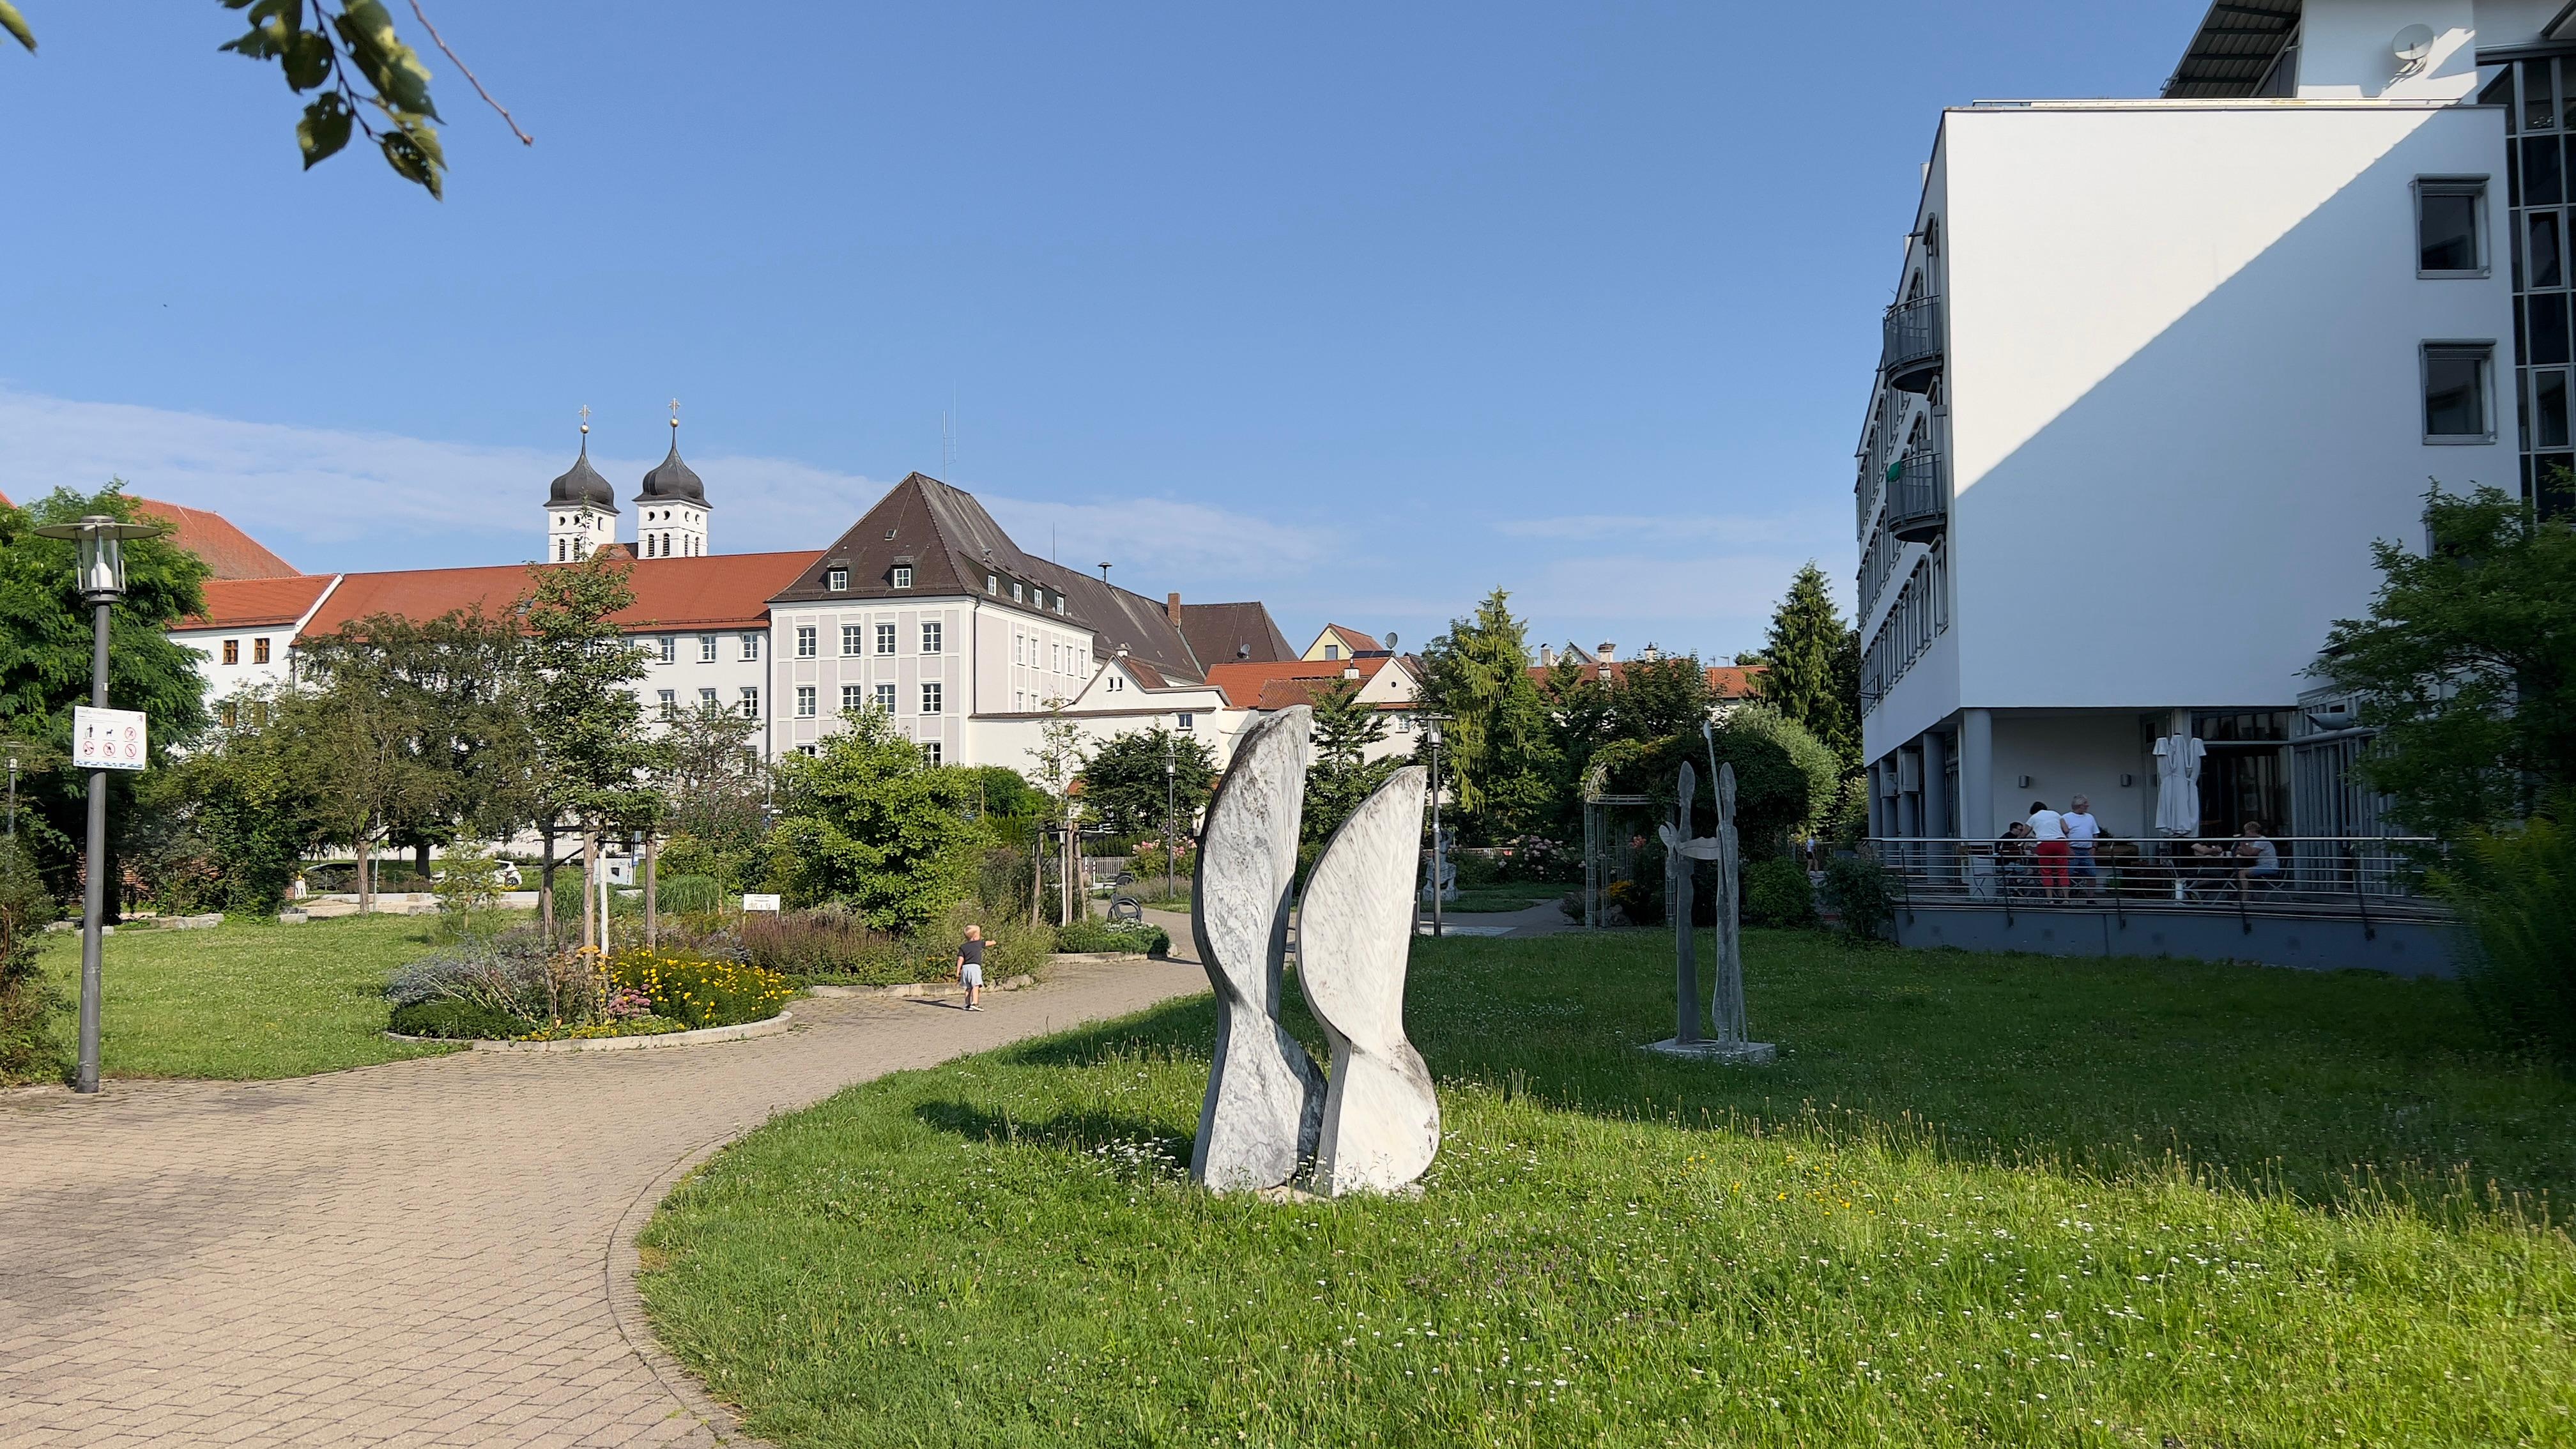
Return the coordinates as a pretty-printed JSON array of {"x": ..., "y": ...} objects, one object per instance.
[
  {"x": 1910, "y": 354},
  {"x": 1918, "y": 506}
]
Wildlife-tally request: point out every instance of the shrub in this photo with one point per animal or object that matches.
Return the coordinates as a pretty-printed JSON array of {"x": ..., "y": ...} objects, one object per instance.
[
  {"x": 469, "y": 890},
  {"x": 689, "y": 894},
  {"x": 1860, "y": 891},
  {"x": 839, "y": 947},
  {"x": 1101, "y": 936},
  {"x": 1777, "y": 893},
  {"x": 698, "y": 992},
  {"x": 28, "y": 1047},
  {"x": 449, "y": 1019},
  {"x": 2517, "y": 891}
]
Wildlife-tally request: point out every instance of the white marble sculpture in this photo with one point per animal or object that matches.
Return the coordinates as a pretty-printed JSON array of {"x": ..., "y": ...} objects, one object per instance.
[
  {"x": 1265, "y": 1100},
  {"x": 1354, "y": 933}
]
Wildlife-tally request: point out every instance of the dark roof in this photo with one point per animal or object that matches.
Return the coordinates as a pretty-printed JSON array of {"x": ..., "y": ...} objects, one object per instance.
[
  {"x": 672, "y": 481},
  {"x": 952, "y": 546},
  {"x": 1233, "y": 634},
  {"x": 2233, "y": 49},
  {"x": 581, "y": 483}
]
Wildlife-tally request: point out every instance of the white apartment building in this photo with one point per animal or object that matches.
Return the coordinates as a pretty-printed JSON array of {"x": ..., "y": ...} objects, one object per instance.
[
  {"x": 2158, "y": 374},
  {"x": 924, "y": 610}
]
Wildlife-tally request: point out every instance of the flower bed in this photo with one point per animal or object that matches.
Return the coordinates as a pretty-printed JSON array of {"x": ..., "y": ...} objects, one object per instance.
[
  {"x": 512, "y": 989},
  {"x": 838, "y": 948}
]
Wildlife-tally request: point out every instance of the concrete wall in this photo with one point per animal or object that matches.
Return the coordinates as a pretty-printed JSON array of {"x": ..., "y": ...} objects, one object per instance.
[
  {"x": 2345, "y": 49},
  {"x": 2066, "y": 755},
  {"x": 2184, "y": 388},
  {"x": 2401, "y": 948}
]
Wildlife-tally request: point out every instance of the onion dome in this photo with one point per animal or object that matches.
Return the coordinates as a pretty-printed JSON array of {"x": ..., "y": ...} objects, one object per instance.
[
  {"x": 671, "y": 480},
  {"x": 581, "y": 483}
]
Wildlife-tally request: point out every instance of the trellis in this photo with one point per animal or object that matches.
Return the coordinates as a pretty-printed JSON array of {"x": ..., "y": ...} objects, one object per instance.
[{"x": 1606, "y": 852}]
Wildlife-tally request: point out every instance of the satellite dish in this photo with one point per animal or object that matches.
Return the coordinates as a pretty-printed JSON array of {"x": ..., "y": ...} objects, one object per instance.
[
  {"x": 1390, "y": 639},
  {"x": 2412, "y": 44}
]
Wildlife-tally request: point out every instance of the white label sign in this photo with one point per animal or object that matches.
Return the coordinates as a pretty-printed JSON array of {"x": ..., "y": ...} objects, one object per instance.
[
  {"x": 108, "y": 739},
  {"x": 760, "y": 903}
]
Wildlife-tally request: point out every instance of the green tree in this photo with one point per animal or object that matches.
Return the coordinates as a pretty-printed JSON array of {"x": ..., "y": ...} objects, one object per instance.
[
  {"x": 1810, "y": 666},
  {"x": 1123, "y": 784},
  {"x": 868, "y": 822},
  {"x": 245, "y": 794},
  {"x": 365, "y": 78},
  {"x": 2467, "y": 664},
  {"x": 1497, "y": 756},
  {"x": 45, "y": 665},
  {"x": 1653, "y": 698},
  {"x": 1003, "y": 793},
  {"x": 590, "y": 758},
  {"x": 713, "y": 784},
  {"x": 1344, "y": 727}
]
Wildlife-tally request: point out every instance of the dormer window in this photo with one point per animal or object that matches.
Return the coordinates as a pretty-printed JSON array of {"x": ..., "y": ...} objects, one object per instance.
[
  {"x": 903, "y": 576},
  {"x": 1015, "y": 593},
  {"x": 992, "y": 584},
  {"x": 838, "y": 580},
  {"x": 1059, "y": 603}
]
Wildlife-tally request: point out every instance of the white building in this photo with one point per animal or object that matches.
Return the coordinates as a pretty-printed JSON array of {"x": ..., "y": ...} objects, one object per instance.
[
  {"x": 925, "y": 609},
  {"x": 2159, "y": 374}
]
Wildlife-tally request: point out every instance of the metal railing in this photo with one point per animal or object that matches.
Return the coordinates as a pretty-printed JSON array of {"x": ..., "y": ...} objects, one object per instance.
[
  {"x": 2341, "y": 876},
  {"x": 1910, "y": 350},
  {"x": 1918, "y": 507}
]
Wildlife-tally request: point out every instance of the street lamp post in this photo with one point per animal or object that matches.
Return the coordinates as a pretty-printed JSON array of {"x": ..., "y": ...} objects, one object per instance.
[
  {"x": 1438, "y": 855},
  {"x": 1171, "y": 801},
  {"x": 13, "y": 793},
  {"x": 102, "y": 583}
]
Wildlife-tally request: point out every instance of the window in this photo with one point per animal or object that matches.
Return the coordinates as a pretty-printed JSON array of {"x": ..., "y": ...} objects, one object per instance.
[
  {"x": 259, "y": 651},
  {"x": 750, "y": 702},
  {"x": 992, "y": 584},
  {"x": 1059, "y": 603},
  {"x": 1404, "y": 724},
  {"x": 804, "y": 701},
  {"x": 850, "y": 636},
  {"x": 706, "y": 649},
  {"x": 885, "y": 698},
  {"x": 670, "y": 704},
  {"x": 808, "y": 751},
  {"x": 706, "y": 699},
  {"x": 1117, "y": 682},
  {"x": 805, "y": 641},
  {"x": 232, "y": 714},
  {"x": 903, "y": 576},
  {"x": 2455, "y": 392},
  {"x": 930, "y": 752},
  {"x": 750, "y": 646},
  {"x": 930, "y": 699},
  {"x": 232, "y": 651},
  {"x": 2450, "y": 235},
  {"x": 838, "y": 580},
  {"x": 885, "y": 638},
  {"x": 1015, "y": 592},
  {"x": 1334, "y": 651},
  {"x": 1019, "y": 655},
  {"x": 930, "y": 638},
  {"x": 853, "y": 697},
  {"x": 667, "y": 648},
  {"x": 1185, "y": 721}
]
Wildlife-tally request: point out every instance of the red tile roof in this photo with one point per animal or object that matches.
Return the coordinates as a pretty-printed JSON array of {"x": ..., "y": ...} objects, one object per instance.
[
  {"x": 1286, "y": 681},
  {"x": 231, "y": 553},
  {"x": 710, "y": 591},
  {"x": 257, "y": 603},
  {"x": 1353, "y": 638}
]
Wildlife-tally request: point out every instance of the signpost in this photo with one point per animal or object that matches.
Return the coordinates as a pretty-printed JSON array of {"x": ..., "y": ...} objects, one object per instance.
[{"x": 760, "y": 903}]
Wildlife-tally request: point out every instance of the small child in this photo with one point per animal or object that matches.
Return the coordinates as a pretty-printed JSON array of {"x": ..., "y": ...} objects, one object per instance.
[{"x": 970, "y": 967}]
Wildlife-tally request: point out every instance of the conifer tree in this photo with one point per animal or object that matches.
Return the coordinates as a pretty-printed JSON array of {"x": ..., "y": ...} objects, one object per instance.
[
  {"x": 1498, "y": 754},
  {"x": 1811, "y": 665}
]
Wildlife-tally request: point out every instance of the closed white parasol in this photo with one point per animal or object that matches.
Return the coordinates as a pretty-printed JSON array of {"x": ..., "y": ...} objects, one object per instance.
[{"x": 2178, "y": 784}]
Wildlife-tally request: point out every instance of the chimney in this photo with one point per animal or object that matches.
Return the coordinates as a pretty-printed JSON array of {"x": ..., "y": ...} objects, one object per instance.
[
  {"x": 1608, "y": 653},
  {"x": 1547, "y": 656},
  {"x": 1350, "y": 671},
  {"x": 1172, "y": 609}
]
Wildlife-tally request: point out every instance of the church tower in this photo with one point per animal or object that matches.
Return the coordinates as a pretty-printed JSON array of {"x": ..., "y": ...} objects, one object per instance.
[
  {"x": 581, "y": 508},
  {"x": 671, "y": 512}
]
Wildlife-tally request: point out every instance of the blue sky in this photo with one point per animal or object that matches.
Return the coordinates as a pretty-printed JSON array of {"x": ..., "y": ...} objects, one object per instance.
[{"x": 1358, "y": 310}]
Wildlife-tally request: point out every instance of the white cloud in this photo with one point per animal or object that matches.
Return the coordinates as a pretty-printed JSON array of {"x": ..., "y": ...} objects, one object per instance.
[{"x": 1148, "y": 539}]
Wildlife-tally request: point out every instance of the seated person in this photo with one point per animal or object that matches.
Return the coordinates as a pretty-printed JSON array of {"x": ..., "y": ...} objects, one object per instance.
[
  {"x": 2014, "y": 850},
  {"x": 2256, "y": 857}
]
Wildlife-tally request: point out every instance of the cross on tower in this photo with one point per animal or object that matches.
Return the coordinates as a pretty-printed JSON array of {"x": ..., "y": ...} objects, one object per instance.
[
  {"x": 585, "y": 417},
  {"x": 675, "y": 412}
]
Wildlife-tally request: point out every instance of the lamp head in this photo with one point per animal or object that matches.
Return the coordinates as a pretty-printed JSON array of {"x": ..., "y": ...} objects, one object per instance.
[{"x": 101, "y": 568}]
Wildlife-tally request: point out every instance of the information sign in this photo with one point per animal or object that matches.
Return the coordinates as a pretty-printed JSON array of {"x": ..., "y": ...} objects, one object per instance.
[
  {"x": 759, "y": 903},
  {"x": 108, "y": 739}
]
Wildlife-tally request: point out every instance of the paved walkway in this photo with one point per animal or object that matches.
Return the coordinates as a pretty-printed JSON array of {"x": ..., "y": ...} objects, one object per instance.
[{"x": 432, "y": 1252}]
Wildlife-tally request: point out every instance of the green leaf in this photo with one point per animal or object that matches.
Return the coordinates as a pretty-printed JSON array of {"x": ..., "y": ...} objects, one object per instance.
[
  {"x": 324, "y": 129},
  {"x": 16, "y": 25},
  {"x": 392, "y": 67},
  {"x": 307, "y": 60},
  {"x": 404, "y": 153},
  {"x": 274, "y": 26}
]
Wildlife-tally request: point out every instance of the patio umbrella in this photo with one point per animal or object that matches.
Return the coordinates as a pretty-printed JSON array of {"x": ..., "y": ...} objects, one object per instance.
[{"x": 2178, "y": 784}]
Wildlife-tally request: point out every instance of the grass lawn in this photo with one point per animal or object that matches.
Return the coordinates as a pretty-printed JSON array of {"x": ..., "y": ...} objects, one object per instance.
[
  {"x": 1981, "y": 1199},
  {"x": 244, "y": 1000},
  {"x": 1472, "y": 899}
]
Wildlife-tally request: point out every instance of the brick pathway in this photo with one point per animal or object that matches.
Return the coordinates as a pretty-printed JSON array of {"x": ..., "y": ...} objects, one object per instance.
[{"x": 431, "y": 1252}]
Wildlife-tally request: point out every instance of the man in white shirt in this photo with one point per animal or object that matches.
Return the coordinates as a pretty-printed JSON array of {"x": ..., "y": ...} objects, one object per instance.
[
  {"x": 2081, "y": 831},
  {"x": 2049, "y": 829}
]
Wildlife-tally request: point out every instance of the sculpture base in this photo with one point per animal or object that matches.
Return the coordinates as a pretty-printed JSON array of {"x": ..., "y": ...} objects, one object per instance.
[{"x": 1744, "y": 1052}]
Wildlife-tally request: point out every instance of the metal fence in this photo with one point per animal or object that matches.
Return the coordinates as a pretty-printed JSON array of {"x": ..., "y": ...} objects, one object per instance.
[{"x": 2341, "y": 876}]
